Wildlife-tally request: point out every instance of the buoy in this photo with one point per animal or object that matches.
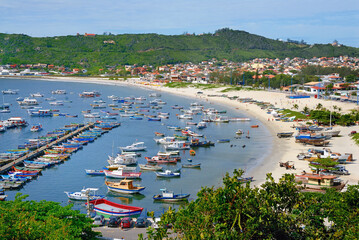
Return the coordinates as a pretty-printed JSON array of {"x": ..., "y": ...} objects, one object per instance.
[{"x": 192, "y": 152}]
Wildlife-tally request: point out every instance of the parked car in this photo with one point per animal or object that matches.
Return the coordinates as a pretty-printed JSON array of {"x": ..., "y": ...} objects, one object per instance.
[
  {"x": 114, "y": 221},
  {"x": 99, "y": 220},
  {"x": 126, "y": 222},
  {"x": 141, "y": 222}
]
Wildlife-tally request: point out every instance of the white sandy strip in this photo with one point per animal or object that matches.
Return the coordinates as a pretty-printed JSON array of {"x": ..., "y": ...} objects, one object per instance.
[{"x": 283, "y": 149}]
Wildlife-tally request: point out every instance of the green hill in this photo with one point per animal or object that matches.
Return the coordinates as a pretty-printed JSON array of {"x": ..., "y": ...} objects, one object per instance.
[{"x": 110, "y": 50}]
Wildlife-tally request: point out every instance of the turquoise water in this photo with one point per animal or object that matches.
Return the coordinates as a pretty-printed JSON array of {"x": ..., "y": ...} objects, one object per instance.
[{"x": 70, "y": 176}]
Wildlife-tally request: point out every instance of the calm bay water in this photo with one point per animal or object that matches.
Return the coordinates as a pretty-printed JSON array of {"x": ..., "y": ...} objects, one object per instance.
[{"x": 70, "y": 176}]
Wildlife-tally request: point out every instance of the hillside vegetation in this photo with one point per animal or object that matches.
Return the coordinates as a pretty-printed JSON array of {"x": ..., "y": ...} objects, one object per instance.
[{"x": 111, "y": 50}]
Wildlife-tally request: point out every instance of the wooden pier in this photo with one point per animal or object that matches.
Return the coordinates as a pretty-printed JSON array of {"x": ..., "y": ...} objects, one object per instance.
[{"x": 40, "y": 151}]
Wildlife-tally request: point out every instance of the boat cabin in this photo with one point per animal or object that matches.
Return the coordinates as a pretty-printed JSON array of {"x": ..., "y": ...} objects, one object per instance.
[{"x": 167, "y": 194}]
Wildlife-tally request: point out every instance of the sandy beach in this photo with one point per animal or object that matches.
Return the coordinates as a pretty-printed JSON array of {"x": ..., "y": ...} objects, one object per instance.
[{"x": 283, "y": 149}]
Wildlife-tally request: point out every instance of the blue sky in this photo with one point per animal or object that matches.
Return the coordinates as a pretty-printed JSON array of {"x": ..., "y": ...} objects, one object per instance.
[{"x": 314, "y": 21}]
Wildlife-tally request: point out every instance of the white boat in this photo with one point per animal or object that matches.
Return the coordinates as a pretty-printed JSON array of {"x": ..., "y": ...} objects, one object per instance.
[
  {"x": 185, "y": 116},
  {"x": 155, "y": 95},
  {"x": 58, "y": 92},
  {"x": 222, "y": 119},
  {"x": 57, "y": 103},
  {"x": 91, "y": 115},
  {"x": 168, "y": 174},
  {"x": 28, "y": 102},
  {"x": 201, "y": 125},
  {"x": 10, "y": 91},
  {"x": 125, "y": 159},
  {"x": 178, "y": 145},
  {"x": 239, "y": 119},
  {"x": 165, "y": 140},
  {"x": 135, "y": 147},
  {"x": 120, "y": 173},
  {"x": 84, "y": 194},
  {"x": 36, "y": 95}
]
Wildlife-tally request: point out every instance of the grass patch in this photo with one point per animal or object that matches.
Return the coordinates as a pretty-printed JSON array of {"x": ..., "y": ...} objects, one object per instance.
[
  {"x": 178, "y": 85},
  {"x": 232, "y": 89},
  {"x": 290, "y": 113},
  {"x": 206, "y": 86}
]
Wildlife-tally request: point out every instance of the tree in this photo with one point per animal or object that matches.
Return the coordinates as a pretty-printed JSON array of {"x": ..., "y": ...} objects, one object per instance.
[
  {"x": 319, "y": 106},
  {"x": 295, "y": 106},
  {"x": 306, "y": 110},
  {"x": 20, "y": 219},
  {"x": 323, "y": 164}
]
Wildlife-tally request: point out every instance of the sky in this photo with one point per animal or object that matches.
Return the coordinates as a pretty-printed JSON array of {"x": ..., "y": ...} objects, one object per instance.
[{"x": 314, "y": 21}]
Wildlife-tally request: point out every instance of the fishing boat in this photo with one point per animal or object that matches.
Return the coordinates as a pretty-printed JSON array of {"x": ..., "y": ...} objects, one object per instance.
[
  {"x": 285, "y": 134},
  {"x": 223, "y": 140},
  {"x": 165, "y": 140},
  {"x": 124, "y": 186},
  {"x": 196, "y": 143},
  {"x": 89, "y": 94},
  {"x": 135, "y": 147},
  {"x": 168, "y": 174},
  {"x": 40, "y": 113},
  {"x": 150, "y": 167},
  {"x": 201, "y": 125},
  {"x": 84, "y": 194},
  {"x": 36, "y": 128},
  {"x": 95, "y": 172},
  {"x": 124, "y": 159},
  {"x": 159, "y": 134},
  {"x": 170, "y": 196},
  {"x": 161, "y": 160},
  {"x": 198, "y": 165},
  {"x": 154, "y": 119},
  {"x": 120, "y": 173},
  {"x": 108, "y": 208}
]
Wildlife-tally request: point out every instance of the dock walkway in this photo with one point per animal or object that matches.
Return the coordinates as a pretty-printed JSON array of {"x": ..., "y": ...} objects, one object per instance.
[{"x": 41, "y": 150}]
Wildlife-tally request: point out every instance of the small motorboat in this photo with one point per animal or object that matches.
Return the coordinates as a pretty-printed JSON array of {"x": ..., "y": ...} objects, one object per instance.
[
  {"x": 198, "y": 165},
  {"x": 108, "y": 208},
  {"x": 168, "y": 174},
  {"x": 159, "y": 134},
  {"x": 95, "y": 172},
  {"x": 255, "y": 126},
  {"x": 170, "y": 196},
  {"x": 137, "y": 146},
  {"x": 84, "y": 194},
  {"x": 223, "y": 140},
  {"x": 124, "y": 186},
  {"x": 239, "y": 132},
  {"x": 36, "y": 128},
  {"x": 150, "y": 167}
]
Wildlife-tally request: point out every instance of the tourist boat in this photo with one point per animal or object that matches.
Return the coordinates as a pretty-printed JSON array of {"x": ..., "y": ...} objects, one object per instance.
[
  {"x": 124, "y": 186},
  {"x": 170, "y": 196},
  {"x": 318, "y": 183},
  {"x": 150, "y": 167},
  {"x": 285, "y": 134},
  {"x": 255, "y": 126},
  {"x": 223, "y": 140},
  {"x": 168, "y": 174},
  {"x": 10, "y": 91},
  {"x": 108, "y": 209},
  {"x": 40, "y": 113},
  {"x": 90, "y": 94},
  {"x": 201, "y": 125},
  {"x": 178, "y": 145},
  {"x": 95, "y": 172},
  {"x": 57, "y": 103},
  {"x": 124, "y": 159},
  {"x": 135, "y": 147},
  {"x": 36, "y": 128},
  {"x": 198, "y": 165},
  {"x": 15, "y": 122},
  {"x": 58, "y": 92},
  {"x": 84, "y": 194},
  {"x": 165, "y": 140},
  {"x": 28, "y": 102},
  {"x": 221, "y": 119},
  {"x": 2, "y": 195},
  {"x": 120, "y": 173},
  {"x": 185, "y": 116}
]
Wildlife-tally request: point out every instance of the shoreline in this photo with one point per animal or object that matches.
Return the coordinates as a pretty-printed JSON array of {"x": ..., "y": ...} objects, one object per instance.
[{"x": 282, "y": 149}]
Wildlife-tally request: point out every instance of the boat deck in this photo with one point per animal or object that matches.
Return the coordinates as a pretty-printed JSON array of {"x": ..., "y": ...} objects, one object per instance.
[{"x": 106, "y": 207}]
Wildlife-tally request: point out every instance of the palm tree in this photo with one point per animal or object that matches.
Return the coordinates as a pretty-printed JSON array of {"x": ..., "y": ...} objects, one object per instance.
[
  {"x": 306, "y": 110},
  {"x": 319, "y": 106},
  {"x": 295, "y": 106}
]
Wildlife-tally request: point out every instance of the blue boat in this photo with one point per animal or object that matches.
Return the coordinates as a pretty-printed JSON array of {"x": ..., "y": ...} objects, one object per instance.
[
  {"x": 136, "y": 118},
  {"x": 95, "y": 172},
  {"x": 170, "y": 196},
  {"x": 154, "y": 119}
]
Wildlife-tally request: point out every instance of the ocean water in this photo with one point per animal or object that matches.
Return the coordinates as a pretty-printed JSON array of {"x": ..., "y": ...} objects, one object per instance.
[{"x": 70, "y": 176}]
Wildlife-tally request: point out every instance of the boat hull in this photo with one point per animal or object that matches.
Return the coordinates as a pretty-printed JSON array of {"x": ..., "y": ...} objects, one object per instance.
[{"x": 108, "y": 209}]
